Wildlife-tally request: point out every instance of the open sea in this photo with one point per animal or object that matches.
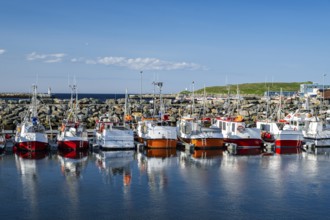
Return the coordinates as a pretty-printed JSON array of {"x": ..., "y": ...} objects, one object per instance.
[
  {"x": 101, "y": 97},
  {"x": 164, "y": 184}
]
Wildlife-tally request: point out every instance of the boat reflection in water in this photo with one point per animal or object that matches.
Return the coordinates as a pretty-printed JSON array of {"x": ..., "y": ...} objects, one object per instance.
[
  {"x": 27, "y": 164},
  {"x": 73, "y": 162},
  {"x": 317, "y": 154},
  {"x": 201, "y": 157},
  {"x": 155, "y": 162},
  {"x": 113, "y": 163}
]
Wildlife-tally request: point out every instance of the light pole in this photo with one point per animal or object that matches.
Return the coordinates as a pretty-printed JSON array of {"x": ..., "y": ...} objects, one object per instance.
[
  {"x": 323, "y": 87},
  {"x": 141, "y": 88}
]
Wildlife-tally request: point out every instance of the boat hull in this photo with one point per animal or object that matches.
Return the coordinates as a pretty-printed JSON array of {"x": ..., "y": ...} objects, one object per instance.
[
  {"x": 32, "y": 146},
  {"x": 117, "y": 145},
  {"x": 206, "y": 142},
  {"x": 246, "y": 146},
  {"x": 74, "y": 145},
  {"x": 288, "y": 146},
  {"x": 159, "y": 143}
]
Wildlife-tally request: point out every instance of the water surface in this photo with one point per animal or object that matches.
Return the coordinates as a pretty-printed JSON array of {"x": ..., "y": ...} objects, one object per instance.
[{"x": 163, "y": 185}]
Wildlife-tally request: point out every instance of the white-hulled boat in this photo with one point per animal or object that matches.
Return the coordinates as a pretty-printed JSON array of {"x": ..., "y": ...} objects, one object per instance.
[
  {"x": 317, "y": 132},
  {"x": 245, "y": 141},
  {"x": 30, "y": 134},
  {"x": 109, "y": 135},
  {"x": 73, "y": 134},
  {"x": 191, "y": 131}
]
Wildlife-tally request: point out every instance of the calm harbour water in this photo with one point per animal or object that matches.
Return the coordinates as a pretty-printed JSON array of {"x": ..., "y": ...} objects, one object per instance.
[{"x": 164, "y": 185}]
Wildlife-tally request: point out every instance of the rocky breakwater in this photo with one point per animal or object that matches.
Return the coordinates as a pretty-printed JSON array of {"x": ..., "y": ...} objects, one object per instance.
[{"x": 53, "y": 111}]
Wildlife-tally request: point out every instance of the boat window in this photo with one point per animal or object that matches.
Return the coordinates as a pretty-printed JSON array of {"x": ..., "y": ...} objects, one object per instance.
[
  {"x": 220, "y": 125},
  {"x": 223, "y": 125},
  {"x": 280, "y": 126},
  {"x": 233, "y": 127}
]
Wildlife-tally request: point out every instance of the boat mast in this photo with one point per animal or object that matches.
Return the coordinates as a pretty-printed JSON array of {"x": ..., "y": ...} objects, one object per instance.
[
  {"x": 161, "y": 104},
  {"x": 238, "y": 101},
  {"x": 193, "y": 98},
  {"x": 125, "y": 108},
  {"x": 34, "y": 110},
  {"x": 267, "y": 104},
  {"x": 73, "y": 102},
  {"x": 204, "y": 100},
  {"x": 280, "y": 106}
]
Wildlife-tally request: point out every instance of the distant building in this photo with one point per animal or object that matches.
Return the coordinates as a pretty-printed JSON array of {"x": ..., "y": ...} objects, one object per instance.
[
  {"x": 278, "y": 93},
  {"x": 324, "y": 93},
  {"x": 311, "y": 90}
]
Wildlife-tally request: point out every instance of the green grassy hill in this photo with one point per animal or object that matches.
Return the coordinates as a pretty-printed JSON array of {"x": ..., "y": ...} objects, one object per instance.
[{"x": 253, "y": 88}]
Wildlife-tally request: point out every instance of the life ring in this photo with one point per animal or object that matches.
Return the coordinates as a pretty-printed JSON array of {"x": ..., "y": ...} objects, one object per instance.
[{"x": 240, "y": 128}]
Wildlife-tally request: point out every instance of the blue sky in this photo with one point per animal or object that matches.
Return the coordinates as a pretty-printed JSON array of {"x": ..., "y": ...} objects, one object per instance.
[{"x": 105, "y": 44}]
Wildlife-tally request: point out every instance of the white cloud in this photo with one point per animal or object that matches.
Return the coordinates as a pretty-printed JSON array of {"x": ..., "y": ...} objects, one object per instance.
[
  {"x": 2, "y": 51},
  {"x": 46, "y": 58},
  {"x": 143, "y": 63}
]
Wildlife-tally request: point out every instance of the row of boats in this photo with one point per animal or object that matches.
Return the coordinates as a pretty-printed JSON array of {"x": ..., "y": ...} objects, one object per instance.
[{"x": 285, "y": 136}]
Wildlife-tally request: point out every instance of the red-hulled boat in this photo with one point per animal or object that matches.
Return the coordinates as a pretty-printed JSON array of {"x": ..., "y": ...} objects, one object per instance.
[
  {"x": 30, "y": 134},
  {"x": 239, "y": 139},
  {"x": 73, "y": 134}
]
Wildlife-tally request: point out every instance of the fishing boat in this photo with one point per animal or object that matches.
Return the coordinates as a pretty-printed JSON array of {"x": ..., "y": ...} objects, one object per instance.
[
  {"x": 30, "y": 133},
  {"x": 317, "y": 132},
  {"x": 286, "y": 140},
  {"x": 197, "y": 132},
  {"x": 315, "y": 129},
  {"x": 110, "y": 135},
  {"x": 193, "y": 132},
  {"x": 277, "y": 131},
  {"x": 156, "y": 131},
  {"x": 240, "y": 139},
  {"x": 73, "y": 134}
]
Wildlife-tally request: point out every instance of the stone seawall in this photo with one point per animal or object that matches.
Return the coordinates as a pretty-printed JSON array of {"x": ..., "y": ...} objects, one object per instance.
[{"x": 52, "y": 111}]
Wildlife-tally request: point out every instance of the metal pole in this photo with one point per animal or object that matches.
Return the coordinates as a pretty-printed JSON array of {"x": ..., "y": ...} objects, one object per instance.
[
  {"x": 323, "y": 88},
  {"x": 141, "y": 88},
  {"x": 193, "y": 98}
]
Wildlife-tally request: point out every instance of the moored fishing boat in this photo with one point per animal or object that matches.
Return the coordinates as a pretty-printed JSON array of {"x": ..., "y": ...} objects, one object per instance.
[
  {"x": 30, "y": 134},
  {"x": 73, "y": 134},
  {"x": 111, "y": 134},
  {"x": 191, "y": 131},
  {"x": 286, "y": 140},
  {"x": 156, "y": 131},
  {"x": 276, "y": 131},
  {"x": 243, "y": 140}
]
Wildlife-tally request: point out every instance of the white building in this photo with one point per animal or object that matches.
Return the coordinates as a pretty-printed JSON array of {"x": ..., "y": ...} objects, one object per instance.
[{"x": 312, "y": 89}]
